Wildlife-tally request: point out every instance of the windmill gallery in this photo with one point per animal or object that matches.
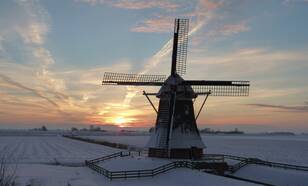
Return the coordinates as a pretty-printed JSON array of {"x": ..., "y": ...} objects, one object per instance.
[{"x": 176, "y": 134}]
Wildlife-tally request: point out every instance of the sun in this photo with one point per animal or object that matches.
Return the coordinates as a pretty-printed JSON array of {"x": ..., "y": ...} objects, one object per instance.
[{"x": 119, "y": 121}]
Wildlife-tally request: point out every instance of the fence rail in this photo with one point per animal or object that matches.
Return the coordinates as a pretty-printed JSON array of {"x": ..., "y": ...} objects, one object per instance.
[
  {"x": 118, "y": 154},
  {"x": 244, "y": 161},
  {"x": 180, "y": 164},
  {"x": 135, "y": 173},
  {"x": 106, "y": 143}
]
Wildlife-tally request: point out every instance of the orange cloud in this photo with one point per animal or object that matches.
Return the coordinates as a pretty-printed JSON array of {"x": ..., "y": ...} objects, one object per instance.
[
  {"x": 210, "y": 4},
  {"x": 159, "y": 25}
]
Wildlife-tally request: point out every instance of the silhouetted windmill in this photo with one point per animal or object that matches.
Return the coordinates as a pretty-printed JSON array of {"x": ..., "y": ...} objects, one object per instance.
[{"x": 176, "y": 134}]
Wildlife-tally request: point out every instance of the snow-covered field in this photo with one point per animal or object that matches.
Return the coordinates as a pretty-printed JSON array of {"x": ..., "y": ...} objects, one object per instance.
[
  {"x": 57, "y": 161},
  {"x": 285, "y": 149},
  {"x": 46, "y": 175},
  {"x": 50, "y": 149},
  {"x": 275, "y": 176},
  {"x": 54, "y": 160}
]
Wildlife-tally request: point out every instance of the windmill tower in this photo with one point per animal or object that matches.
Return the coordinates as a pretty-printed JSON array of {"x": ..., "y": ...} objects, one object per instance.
[{"x": 176, "y": 134}]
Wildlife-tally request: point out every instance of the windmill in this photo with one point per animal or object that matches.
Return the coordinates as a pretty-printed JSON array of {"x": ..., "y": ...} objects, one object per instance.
[{"x": 176, "y": 134}]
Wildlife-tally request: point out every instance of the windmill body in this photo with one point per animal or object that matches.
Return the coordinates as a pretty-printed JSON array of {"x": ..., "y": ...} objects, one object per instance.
[{"x": 176, "y": 134}]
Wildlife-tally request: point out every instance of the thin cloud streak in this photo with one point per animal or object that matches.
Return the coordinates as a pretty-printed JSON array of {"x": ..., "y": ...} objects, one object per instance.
[
  {"x": 34, "y": 91},
  {"x": 135, "y": 4},
  {"x": 300, "y": 108}
]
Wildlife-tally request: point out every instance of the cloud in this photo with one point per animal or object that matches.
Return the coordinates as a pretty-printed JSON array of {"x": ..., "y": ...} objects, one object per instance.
[
  {"x": 32, "y": 27},
  {"x": 1, "y": 47},
  {"x": 230, "y": 29},
  {"x": 210, "y": 4},
  {"x": 251, "y": 61},
  {"x": 140, "y": 4},
  {"x": 44, "y": 56},
  {"x": 135, "y": 4},
  {"x": 300, "y": 108},
  {"x": 286, "y": 2},
  {"x": 32, "y": 90},
  {"x": 160, "y": 24},
  {"x": 202, "y": 12},
  {"x": 34, "y": 33},
  {"x": 35, "y": 25}
]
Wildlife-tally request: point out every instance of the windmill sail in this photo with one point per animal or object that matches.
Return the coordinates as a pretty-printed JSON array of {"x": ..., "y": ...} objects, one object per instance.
[
  {"x": 111, "y": 78},
  {"x": 219, "y": 88},
  {"x": 180, "y": 42}
]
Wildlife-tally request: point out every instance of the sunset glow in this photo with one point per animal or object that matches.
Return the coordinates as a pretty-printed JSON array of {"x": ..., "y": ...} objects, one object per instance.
[{"x": 120, "y": 121}]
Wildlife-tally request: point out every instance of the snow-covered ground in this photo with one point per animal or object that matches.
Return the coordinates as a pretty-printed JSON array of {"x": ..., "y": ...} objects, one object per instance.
[
  {"x": 285, "y": 149},
  {"x": 133, "y": 163},
  {"x": 53, "y": 160},
  {"x": 37, "y": 159},
  {"x": 50, "y": 149},
  {"x": 275, "y": 176},
  {"x": 46, "y": 175}
]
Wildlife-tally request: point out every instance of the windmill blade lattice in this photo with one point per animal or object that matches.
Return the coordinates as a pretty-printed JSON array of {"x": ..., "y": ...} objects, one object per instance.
[
  {"x": 181, "y": 27},
  {"x": 220, "y": 88},
  {"x": 111, "y": 78}
]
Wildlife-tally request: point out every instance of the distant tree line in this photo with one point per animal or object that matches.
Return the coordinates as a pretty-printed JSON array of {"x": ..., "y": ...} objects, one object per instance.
[
  {"x": 43, "y": 128},
  {"x": 91, "y": 128},
  {"x": 211, "y": 131}
]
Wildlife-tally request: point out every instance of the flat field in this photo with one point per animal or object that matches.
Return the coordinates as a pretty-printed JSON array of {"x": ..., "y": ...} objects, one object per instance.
[
  {"x": 50, "y": 149},
  {"x": 57, "y": 161}
]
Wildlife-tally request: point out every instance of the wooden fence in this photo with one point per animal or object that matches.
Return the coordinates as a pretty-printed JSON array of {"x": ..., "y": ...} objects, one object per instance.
[
  {"x": 245, "y": 161},
  {"x": 135, "y": 173}
]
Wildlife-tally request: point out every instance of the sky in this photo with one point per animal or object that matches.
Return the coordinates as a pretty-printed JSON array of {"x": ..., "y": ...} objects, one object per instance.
[{"x": 53, "y": 55}]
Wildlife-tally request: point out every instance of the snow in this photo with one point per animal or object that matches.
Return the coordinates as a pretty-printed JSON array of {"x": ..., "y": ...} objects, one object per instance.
[
  {"x": 47, "y": 175},
  {"x": 138, "y": 141},
  {"x": 284, "y": 149},
  {"x": 51, "y": 149},
  {"x": 133, "y": 163},
  {"x": 54, "y": 160},
  {"x": 38, "y": 159},
  {"x": 275, "y": 176}
]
